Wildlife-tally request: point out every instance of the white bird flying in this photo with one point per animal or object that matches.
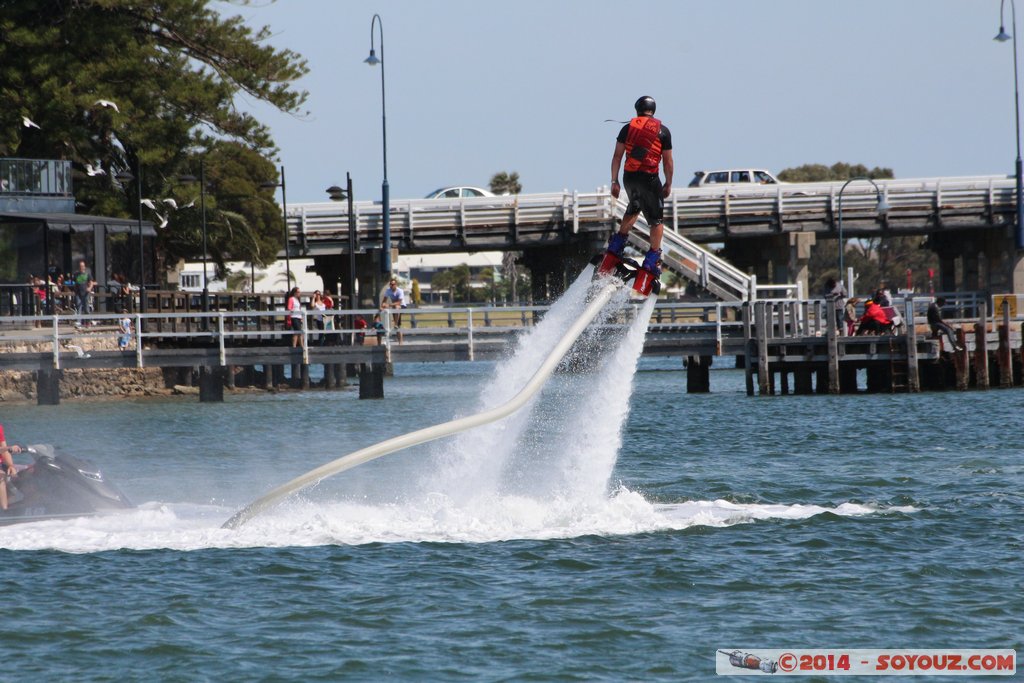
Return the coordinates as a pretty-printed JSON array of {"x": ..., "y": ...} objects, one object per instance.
[
  {"x": 94, "y": 171},
  {"x": 163, "y": 220},
  {"x": 148, "y": 203},
  {"x": 80, "y": 351},
  {"x": 29, "y": 123},
  {"x": 190, "y": 204},
  {"x": 107, "y": 103},
  {"x": 171, "y": 203}
]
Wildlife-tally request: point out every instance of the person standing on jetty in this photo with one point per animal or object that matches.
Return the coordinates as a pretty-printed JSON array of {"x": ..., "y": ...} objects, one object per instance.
[
  {"x": 836, "y": 293},
  {"x": 646, "y": 144},
  {"x": 83, "y": 284},
  {"x": 7, "y": 464},
  {"x": 294, "y": 320}
]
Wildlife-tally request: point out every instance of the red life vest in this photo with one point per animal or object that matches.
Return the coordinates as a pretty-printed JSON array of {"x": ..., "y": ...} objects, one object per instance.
[{"x": 643, "y": 144}]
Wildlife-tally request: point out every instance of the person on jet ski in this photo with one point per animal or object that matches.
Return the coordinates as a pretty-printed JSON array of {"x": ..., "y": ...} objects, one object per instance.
[
  {"x": 646, "y": 144},
  {"x": 7, "y": 465}
]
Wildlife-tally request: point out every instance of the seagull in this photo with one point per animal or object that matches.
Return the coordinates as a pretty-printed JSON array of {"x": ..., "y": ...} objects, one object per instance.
[
  {"x": 108, "y": 103},
  {"x": 163, "y": 220},
  {"x": 190, "y": 204},
  {"x": 148, "y": 203},
  {"x": 94, "y": 171},
  {"x": 80, "y": 351},
  {"x": 171, "y": 203},
  {"x": 29, "y": 123}
]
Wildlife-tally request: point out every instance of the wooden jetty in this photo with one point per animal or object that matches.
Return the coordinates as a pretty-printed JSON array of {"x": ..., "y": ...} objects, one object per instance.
[
  {"x": 779, "y": 346},
  {"x": 786, "y": 346}
]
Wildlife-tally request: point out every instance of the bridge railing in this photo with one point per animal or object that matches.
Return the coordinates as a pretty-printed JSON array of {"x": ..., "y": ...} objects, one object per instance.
[{"x": 412, "y": 218}]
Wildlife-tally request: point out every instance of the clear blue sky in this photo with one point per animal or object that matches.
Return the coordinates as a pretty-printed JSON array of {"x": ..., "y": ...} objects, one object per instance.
[{"x": 476, "y": 86}]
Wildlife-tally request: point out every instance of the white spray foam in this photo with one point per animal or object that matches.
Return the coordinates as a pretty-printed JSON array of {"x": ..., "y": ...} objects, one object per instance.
[{"x": 540, "y": 474}]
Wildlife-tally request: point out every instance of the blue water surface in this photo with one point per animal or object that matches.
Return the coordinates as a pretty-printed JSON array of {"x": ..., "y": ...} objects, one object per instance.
[{"x": 645, "y": 588}]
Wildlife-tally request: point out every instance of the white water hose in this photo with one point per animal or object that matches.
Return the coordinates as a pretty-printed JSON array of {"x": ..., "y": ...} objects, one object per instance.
[{"x": 398, "y": 443}]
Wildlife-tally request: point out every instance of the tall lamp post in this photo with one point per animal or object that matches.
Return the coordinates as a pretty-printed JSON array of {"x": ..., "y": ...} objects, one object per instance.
[
  {"x": 124, "y": 176},
  {"x": 337, "y": 194},
  {"x": 883, "y": 208},
  {"x": 385, "y": 261},
  {"x": 202, "y": 204},
  {"x": 1002, "y": 37},
  {"x": 284, "y": 208}
]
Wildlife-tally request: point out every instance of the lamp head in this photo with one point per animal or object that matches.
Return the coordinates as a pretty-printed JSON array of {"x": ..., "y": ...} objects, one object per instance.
[
  {"x": 123, "y": 177},
  {"x": 883, "y": 205},
  {"x": 336, "y": 193},
  {"x": 372, "y": 59},
  {"x": 1002, "y": 36},
  {"x": 187, "y": 178},
  {"x": 268, "y": 184}
]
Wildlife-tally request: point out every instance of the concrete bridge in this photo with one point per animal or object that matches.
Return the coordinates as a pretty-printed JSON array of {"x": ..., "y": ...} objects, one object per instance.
[{"x": 766, "y": 231}]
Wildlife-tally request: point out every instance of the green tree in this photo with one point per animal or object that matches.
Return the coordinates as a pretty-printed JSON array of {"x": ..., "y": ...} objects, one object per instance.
[
  {"x": 455, "y": 281},
  {"x": 818, "y": 173},
  {"x": 417, "y": 296},
  {"x": 506, "y": 183},
  {"x": 124, "y": 84}
]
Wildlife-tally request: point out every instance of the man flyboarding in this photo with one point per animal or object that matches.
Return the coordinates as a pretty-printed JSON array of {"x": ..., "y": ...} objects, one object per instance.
[{"x": 646, "y": 144}]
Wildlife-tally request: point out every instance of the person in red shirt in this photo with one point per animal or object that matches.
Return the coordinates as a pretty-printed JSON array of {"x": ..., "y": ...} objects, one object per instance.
[
  {"x": 874, "y": 320},
  {"x": 646, "y": 144},
  {"x": 7, "y": 464}
]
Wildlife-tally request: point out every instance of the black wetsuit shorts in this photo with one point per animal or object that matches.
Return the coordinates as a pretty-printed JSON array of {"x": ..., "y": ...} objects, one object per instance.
[{"x": 644, "y": 192}]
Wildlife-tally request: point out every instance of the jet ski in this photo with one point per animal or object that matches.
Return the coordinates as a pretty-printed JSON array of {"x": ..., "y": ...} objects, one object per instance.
[{"x": 58, "y": 487}]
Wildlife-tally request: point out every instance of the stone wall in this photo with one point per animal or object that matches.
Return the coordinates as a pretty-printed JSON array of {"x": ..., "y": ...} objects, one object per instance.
[{"x": 21, "y": 386}]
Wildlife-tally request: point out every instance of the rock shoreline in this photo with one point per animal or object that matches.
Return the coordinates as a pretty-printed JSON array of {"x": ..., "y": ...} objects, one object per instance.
[{"x": 77, "y": 384}]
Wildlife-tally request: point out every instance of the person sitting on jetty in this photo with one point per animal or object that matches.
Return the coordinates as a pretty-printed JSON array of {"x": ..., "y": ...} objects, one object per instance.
[
  {"x": 7, "y": 465},
  {"x": 874, "y": 320},
  {"x": 850, "y": 315},
  {"x": 939, "y": 326}
]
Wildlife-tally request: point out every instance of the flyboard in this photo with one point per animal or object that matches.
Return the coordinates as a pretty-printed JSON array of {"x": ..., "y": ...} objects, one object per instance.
[
  {"x": 437, "y": 431},
  {"x": 611, "y": 264}
]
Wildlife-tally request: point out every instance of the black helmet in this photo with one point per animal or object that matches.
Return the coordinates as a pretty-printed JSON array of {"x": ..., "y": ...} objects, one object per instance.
[{"x": 645, "y": 103}]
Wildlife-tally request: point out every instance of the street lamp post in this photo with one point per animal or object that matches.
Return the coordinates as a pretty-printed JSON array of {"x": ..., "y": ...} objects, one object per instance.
[
  {"x": 1002, "y": 37},
  {"x": 385, "y": 262},
  {"x": 202, "y": 204},
  {"x": 337, "y": 194},
  {"x": 142, "y": 254},
  {"x": 883, "y": 208},
  {"x": 124, "y": 177},
  {"x": 284, "y": 209}
]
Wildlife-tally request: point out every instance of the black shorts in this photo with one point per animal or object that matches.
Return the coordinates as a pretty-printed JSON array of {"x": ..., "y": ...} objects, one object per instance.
[{"x": 644, "y": 192}]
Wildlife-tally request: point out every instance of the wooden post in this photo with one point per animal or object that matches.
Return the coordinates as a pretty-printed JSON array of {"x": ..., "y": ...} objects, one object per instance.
[
  {"x": 783, "y": 382},
  {"x": 761, "y": 330},
  {"x": 328, "y": 376},
  {"x": 229, "y": 378},
  {"x": 371, "y": 380},
  {"x": 698, "y": 374},
  {"x": 211, "y": 384},
  {"x": 961, "y": 361},
  {"x": 913, "y": 370},
  {"x": 304, "y": 376},
  {"x": 981, "y": 348},
  {"x": 802, "y": 381},
  {"x": 1003, "y": 355},
  {"x": 748, "y": 366},
  {"x": 833, "y": 351},
  {"x": 48, "y": 387},
  {"x": 1022, "y": 352}
]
